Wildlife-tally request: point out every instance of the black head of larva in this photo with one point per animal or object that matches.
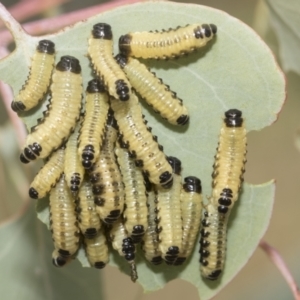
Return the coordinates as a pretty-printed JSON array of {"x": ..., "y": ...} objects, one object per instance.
[
  {"x": 233, "y": 118},
  {"x": 213, "y": 28},
  {"x": 102, "y": 31},
  {"x": 192, "y": 184},
  {"x": 175, "y": 164},
  {"x": 157, "y": 260},
  {"x": 46, "y": 46},
  {"x": 69, "y": 63},
  {"x": 111, "y": 121},
  {"x": 166, "y": 180},
  {"x": 59, "y": 261},
  {"x": 214, "y": 275},
  {"x": 99, "y": 265},
  {"x": 183, "y": 119},
  {"x": 17, "y": 106},
  {"x": 90, "y": 233},
  {"x": 121, "y": 60},
  {"x": 124, "y": 44},
  {"x": 95, "y": 86},
  {"x": 122, "y": 90},
  {"x": 33, "y": 193}
]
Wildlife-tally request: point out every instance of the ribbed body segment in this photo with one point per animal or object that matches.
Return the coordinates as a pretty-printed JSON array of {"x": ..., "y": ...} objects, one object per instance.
[
  {"x": 73, "y": 168},
  {"x": 227, "y": 179},
  {"x": 97, "y": 251},
  {"x": 106, "y": 178},
  {"x": 154, "y": 91},
  {"x": 167, "y": 44},
  {"x": 55, "y": 128},
  {"x": 150, "y": 243},
  {"x": 48, "y": 175},
  {"x": 87, "y": 216},
  {"x": 63, "y": 223},
  {"x": 135, "y": 212},
  {"x": 122, "y": 243},
  {"x": 191, "y": 208},
  {"x": 101, "y": 54},
  {"x": 169, "y": 218},
  {"x": 39, "y": 77},
  {"x": 92, "y": 130},
  {"x": 141, "y": 142}
]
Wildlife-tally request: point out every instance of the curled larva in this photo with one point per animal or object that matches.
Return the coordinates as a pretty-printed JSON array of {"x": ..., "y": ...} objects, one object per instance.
[
  {"x": 73, "y": 168},
  {"x": 106, "y": 177},
  {"x": 135, "y": 212},
  {"x": 101, "y": 53},
  {"x": 150, "y": 240},
  {"x": 39, "y": 77},
  {"x": 167, "y": 44},
  {"x": 154, "y": 91},
  {"x": 88, "y": 219},
  {"x": 92, "y": 130},
  {"x": 66, "y": 90},
  {"x": 141, "y": 142},
  {"x": 63, "y": 223},
  {"x": 122, "y": 243},
  {"x": 191, "y": 208},
  {"x": 169, "y": 222},
  {"x": 227, "y": 179},
  {"x": 96, "y": 250}
]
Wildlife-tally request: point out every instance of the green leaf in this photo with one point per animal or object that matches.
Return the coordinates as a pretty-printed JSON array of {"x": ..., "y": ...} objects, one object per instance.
[
  {"x": 285, "y": 21},
  {"x": 26, "y": 268},
  {"x": 236, "y": 70}
]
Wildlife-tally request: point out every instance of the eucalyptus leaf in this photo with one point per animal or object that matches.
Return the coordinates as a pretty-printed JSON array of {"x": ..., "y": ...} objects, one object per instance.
[
  {"x": 236, "y": 70},
  {"x": 285, "y": 20}
]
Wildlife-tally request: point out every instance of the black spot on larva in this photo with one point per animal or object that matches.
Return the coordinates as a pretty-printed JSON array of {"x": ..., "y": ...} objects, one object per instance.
[
  {"x": 98, "y": 189},
  {"x": 214, "y": 275},
  {"x": 203, "y": 261},
  {"x": 121, "y": 60},
  {"x": 95, "y": 86},
  {"x": 69, "y": 63},
  {"x": 192, "y": 184},
  {"x": 173, "y": 250},
  {"x": 17, "y": 106},
  {"x": 99, "y": 265},
  {"x": 33, "y": 193},
  {"x": 59, "y": 261},
  {"x": 63, "y": 252},
  {"x": 205, "y": 223},
  {"x": 233, "y": 118},
  {"x": 222, "y": 209},
  {"x": 204, "y": 252},
  {"x": 204, "y": 243},
  {"x": 46, "y": 46},
  {"x": 175, "y": 164},
  {"x": 111, "y": 121},
  {"x": 138, "y": 163},
  {"x": 183, "y": 119},
  {"x": 102, "y": 31}
]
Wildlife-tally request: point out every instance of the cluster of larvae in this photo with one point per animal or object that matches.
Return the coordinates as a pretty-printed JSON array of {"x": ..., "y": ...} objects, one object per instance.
[{"x": 108, "y": 178}]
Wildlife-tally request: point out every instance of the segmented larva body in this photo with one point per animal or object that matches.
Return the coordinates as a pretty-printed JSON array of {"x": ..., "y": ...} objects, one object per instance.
[
  {"x": 106, "y": 178},
  {"x": 191, "y": 208},
  {"x": 97, "y": 250},
  {"x": 48, "y": 175},
  {"x": 66, "y": 90},
  {"x": 150, "y": 243},
  {"x": 39, "y": 77},
  {"x": 141, "y": 142},
  {"x": 167, "y": 44},
  {"x": 63, "y": 223},
  {"x": 101, "y": 53},
  {"x": 73, "y": 169},
  {"x": 92, "y": 130},
  {"x": 169, "y": 216},
  {"x": 154, "y": 91},
  {"x": 87, "y": 216},
  {"x": 135, "y": 212},
  {"x": 122, "y": 243},
  {"x": 227, "y": 179}
]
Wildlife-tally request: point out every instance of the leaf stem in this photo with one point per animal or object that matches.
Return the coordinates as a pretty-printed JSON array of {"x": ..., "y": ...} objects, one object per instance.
[{"x": 281, "y": 265}]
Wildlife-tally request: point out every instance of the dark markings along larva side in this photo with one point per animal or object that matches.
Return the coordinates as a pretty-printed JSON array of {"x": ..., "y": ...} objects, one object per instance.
[
  {"x": 167, "y": 44},
  {"x": 101, "y": 53},
  {"x": 122, "y": 243},
  {"x": 87, "y": 216},
  {"x": 39, "y": 77},
  {"x": 66, "y": 90},
  {"x": 191, "y": 208},
  {"x": 73, "y": 168},
  {"x": 169, "y": 216},
  {"x": 135, "y": 212},
  {"x": 141, "y": 142},
  {"x": 63, "y": 223},
  {"x": 106, "y": 177},
  {"x": 154, "y": 91},
  {"x": 150, "y": 239},
  {"x": 227, "y": 178},
  {"x": 92, "y": 130},
  {"x": 48, "y": 175},
  {"x": 97, "y": 251}
]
